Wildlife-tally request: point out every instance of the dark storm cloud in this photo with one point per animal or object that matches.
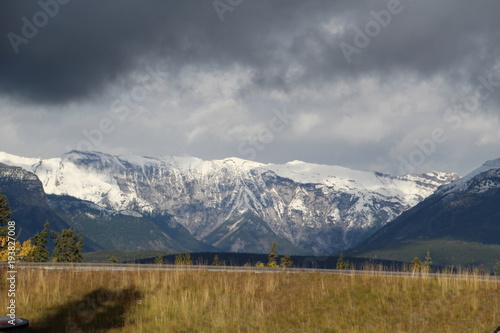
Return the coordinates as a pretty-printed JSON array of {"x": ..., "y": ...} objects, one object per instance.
[
  {"x": 86, "y": 45},
  {"x": 90, "y": 44}
]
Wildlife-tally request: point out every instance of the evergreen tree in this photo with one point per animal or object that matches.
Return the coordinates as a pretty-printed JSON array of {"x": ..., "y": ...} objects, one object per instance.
[
  {"x": 183, "y": 259},
  {"x": 342, "y": 263},
  {"x": 5, "y": 214},
  {"x": 497, "y": 267},
  {"x": 40, "y": 241},
  {"x": 416, "y": 265},
  {"x": 113, "y": 260},
  {"x": 179, "y": 259},
  {"x": 286, "y": 262},
  {"x": 428, "y": 262},
  {"x": 68, "y": 246},
  {"x": 272, "y": 258},
  {"x": 159, "y": 260},
  {"x": 216, "y": 261},
  {"x": 187, "y": 259}
]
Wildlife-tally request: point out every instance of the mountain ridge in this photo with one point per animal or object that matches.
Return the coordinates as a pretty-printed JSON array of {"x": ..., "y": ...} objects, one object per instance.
[
  {"x": 316, "y": 207},
  {"x": 463, "y": 216}
]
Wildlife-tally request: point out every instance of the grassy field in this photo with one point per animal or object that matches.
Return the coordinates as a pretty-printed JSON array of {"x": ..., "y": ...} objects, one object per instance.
[{"x": 203, "y": 301}]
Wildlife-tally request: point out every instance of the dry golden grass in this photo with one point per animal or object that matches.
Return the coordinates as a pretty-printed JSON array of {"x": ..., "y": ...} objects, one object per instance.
[{"x": 205, "y": 301}]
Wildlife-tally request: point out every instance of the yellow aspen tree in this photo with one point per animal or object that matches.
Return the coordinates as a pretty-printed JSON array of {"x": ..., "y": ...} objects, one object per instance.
[{"x": 23, "y": 252}]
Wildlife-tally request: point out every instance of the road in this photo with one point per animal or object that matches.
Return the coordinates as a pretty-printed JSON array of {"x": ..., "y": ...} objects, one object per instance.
[{"x": 234, "y": 269}]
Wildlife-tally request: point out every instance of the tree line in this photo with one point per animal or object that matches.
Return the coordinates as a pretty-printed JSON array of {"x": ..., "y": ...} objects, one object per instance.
[{"x": 184, "y": 258}]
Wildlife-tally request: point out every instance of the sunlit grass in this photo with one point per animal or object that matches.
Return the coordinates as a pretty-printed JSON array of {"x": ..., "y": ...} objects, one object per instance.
[{"x": 209, "y": 301}]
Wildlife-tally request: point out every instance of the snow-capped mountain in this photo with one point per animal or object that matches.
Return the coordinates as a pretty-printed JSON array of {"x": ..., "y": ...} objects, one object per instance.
[
  {"x": 320, "y": 208},
  {"x": 459, "y": 224},
  {"x": 102, "y": 228}
]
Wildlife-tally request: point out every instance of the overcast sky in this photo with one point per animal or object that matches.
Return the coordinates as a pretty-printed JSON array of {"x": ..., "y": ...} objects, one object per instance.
[{"x": 393, "y": 86}]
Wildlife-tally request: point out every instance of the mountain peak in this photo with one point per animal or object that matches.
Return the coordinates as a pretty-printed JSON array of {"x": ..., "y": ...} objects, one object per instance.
[
  {"x": 493, "y": 163},
  {"x": 294, "y": 162},
  {"x": 461, "y": 184}
]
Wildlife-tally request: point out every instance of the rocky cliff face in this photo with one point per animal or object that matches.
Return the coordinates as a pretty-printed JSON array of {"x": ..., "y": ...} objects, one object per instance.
[{"x": 319, "y": 208}]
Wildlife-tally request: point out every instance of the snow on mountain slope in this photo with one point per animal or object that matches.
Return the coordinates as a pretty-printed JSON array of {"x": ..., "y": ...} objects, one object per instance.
[
  {"x": 410, "y": 188},
  {"x": 462, "y": 183},
  {"x": 317, "y": 207}
]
